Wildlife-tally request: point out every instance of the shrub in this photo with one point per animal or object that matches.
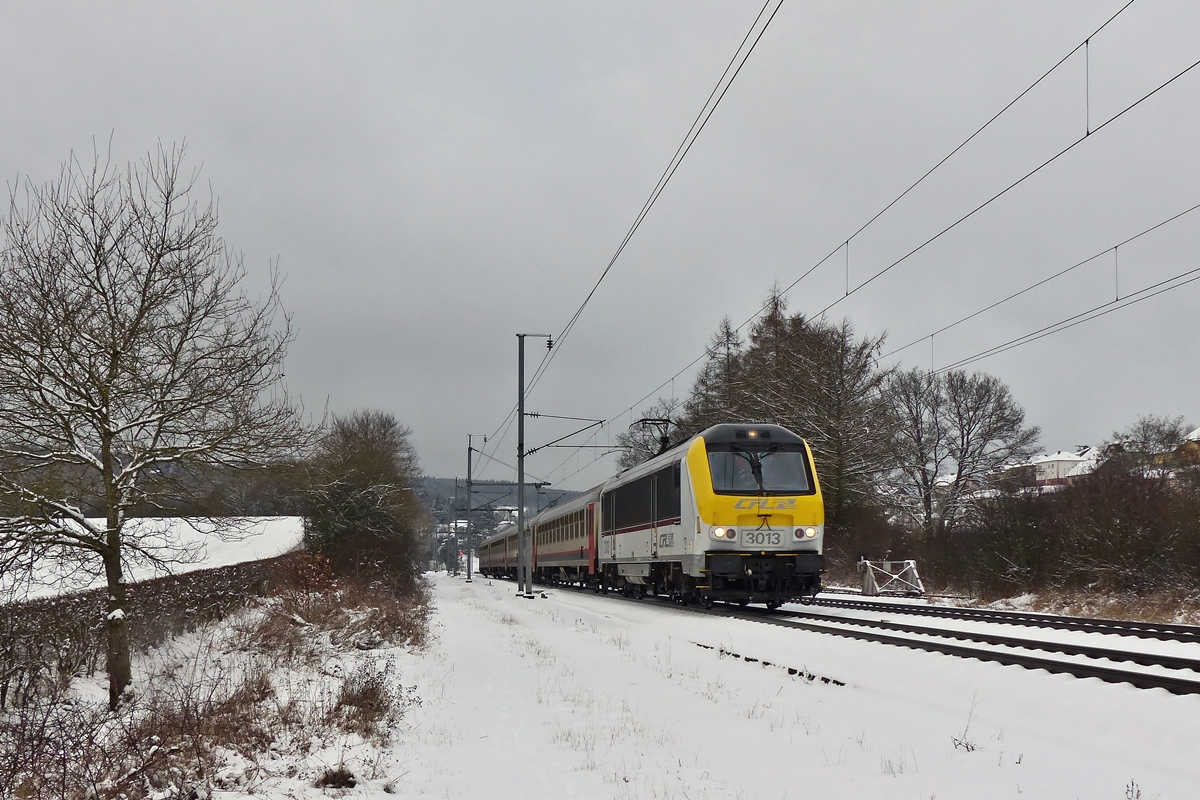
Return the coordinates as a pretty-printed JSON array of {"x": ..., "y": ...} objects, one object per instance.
[
  {"x": 336, "y": 778},
  {"x": 173, "y": 732}
]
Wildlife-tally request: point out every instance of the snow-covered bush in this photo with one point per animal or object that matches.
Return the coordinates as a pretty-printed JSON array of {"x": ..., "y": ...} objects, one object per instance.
[{"x": 362, "y": 513}]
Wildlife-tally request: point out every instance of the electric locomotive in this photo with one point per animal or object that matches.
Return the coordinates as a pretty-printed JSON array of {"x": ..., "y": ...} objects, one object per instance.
[{"x": 734, "y": 513}]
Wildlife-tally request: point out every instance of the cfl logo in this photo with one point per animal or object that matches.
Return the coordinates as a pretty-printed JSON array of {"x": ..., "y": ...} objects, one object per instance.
[{"x": 765, "y": 503}]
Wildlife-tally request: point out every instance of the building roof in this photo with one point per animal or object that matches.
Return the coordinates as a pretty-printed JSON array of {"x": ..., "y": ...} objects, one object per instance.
[
  {"x": 1059, "y": 456},
  {"x": 1089, "y": 460}
]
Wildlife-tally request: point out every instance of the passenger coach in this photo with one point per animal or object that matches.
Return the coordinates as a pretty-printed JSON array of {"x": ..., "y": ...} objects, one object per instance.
[{"x": 734, "y": 513}]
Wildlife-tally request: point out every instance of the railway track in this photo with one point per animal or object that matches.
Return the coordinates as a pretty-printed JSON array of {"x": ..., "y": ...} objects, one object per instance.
[
  {"x": 867, "y": 630},
  {"x": 1142, "y": 630},
  {"x": 1102, "y": 663},
  {"x": 999, "y": 640}
]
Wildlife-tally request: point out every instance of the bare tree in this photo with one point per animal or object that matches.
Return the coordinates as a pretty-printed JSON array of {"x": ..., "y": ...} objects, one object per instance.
[
  {"x": 920, "y": 444},
  {"x": 1148, "y": 444},
  {"x": 987, "y": 432},
  {"x": 642, "y": 442},
  {"x": 130, "y": 357},
  {"x": 953, "y": 432}
]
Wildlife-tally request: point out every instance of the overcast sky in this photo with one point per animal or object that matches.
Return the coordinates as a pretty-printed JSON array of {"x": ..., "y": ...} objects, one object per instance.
[{"x": 436, "y": 177}]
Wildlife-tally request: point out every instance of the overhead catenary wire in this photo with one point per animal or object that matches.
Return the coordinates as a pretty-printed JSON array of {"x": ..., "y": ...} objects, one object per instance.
[
  {"x": 845, "y": 243},
  {"x": 1154, "y": 290},
  {"x": 1013, "y": 185},
  {"x": 483, "y": 455},
  {"x": 629, "y": 409},
  {"x": 701, "y": 120},
  {"x": 972, "y": 212},
  {"x": 498, "y": 435},
  {"x": 698, "y": 124},
  {"x": 1113, "y": 249}
]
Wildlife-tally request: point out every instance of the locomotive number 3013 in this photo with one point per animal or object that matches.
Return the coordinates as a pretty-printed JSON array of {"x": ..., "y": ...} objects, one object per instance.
[{"x": 761, "y": 538}]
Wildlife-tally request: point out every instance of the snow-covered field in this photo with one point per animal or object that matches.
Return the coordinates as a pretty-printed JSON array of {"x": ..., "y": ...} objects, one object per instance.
[
  {"x": 576, "y": 695},
  {"x": 210, "y": 543}
]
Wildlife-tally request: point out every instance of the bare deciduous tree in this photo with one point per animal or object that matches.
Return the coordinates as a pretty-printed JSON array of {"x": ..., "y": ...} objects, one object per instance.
[
  {"x": 643, "y": 442},
  {"x": 1148, "y": 444},
  {"x": 953, "y": 432},
  {"x": 130, "y": 357},
  {"x": 920, "y": 443}
]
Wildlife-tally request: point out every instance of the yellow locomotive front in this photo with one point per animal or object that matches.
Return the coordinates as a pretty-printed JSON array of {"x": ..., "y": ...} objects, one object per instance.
[{"x": 759, "y": 514}]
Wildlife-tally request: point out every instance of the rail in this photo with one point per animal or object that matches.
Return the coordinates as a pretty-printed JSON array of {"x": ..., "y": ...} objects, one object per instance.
[
  {"x": 945, "y": 641},
  {"x": 1144, "y": 630}
]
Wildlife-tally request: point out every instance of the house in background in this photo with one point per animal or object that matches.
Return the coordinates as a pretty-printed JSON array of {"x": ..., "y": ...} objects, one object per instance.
[
  {"x": 1052, "y": 469},
  {"x": 1188, "y": 453},
  {"x": 1061, "y": 468}
]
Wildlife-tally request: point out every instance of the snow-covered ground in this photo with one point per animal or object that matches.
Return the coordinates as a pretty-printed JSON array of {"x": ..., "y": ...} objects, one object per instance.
[
  {"x": 576, "y": 695},
  {"x": 211, "y": 543}
]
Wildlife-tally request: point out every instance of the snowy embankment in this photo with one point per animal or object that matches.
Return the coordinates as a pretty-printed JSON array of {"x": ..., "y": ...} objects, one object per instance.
[
  {"x": 208, "y": 542},
  {"x": 594, "y": 697}
]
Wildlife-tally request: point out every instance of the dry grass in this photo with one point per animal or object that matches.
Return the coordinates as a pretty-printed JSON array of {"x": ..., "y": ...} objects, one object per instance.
[
  {"x": 59, "y": 747},
  {"x": 336, "y": 778},
  {"x": 169, "y": 740},
  {"x": 371, "y": 700},
  {"x": 346, "y": 613},
  {"x": 1177, "y": 607},
  {"x": 43, "y": 642}
]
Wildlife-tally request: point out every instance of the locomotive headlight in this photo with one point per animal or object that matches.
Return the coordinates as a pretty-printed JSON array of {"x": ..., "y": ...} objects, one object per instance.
[
  {"x": 810, "y": 532},
  {"x": 722, "y": 533}
]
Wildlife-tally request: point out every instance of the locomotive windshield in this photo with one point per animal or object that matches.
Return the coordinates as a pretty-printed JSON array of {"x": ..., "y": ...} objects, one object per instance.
[{"x": 775, "y": 469}]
